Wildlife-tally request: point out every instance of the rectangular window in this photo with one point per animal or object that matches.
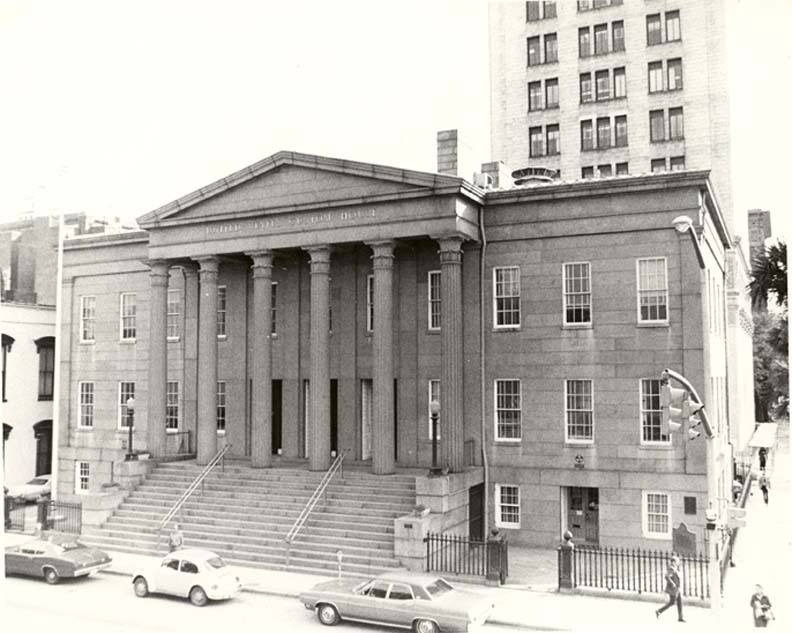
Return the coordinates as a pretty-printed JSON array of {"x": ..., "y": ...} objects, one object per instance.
[
  {"x": 506, "y": 306},
  {"x": 585, "y": 88},
  {"x": 551, "y": 48},
  {"x": 600, "y": 39},
  {"x": 126, "y": 390},
  {"x": 550, "y": 10},
  {"x": 222, "y": 305},
  {"x": 508, "y": 410},
  {"x": 534, "y": 96},
  {"x": 652, "y": 290},
  {"x": 532, "y": 11},
  {"x": 221, "y": 406},
  {"x": 603, "y": 133},
  {"x": 652, "y": 412},
  {"x": 583, "y": 5},
  {"x": 653, "y": 31},
  {"x": 274, "y": 307},
  {"x": 587, "y": 172},
  {"x": 603, "y": 84},
  {"x": 128, "y": 316},
  {"x": 433, "y": 284},
  {"x": 622, "y": 169},
  {"x": 553, "y": 140},
  {"x": 677, "y": 163},
  {"x": 174, "y": 314},
  {"x": 87, "y": 318},
  {"x": 370, "y": 303},
  {"x": 46, "y": 353},
  {"x": 617, "y": 29},
  {"x": 434, "y": 396},
  {"x": 86, "y": 406},
  {"x": 586, "y": 135},
  {"x": 620, "y": 123},
  {"x": 676, "y": 126},
  {"x": 619, "y": 83},
  {"x": 579, "y": 411},
  {"x": 605, "y": 171},
  {"x": 507, "y": 506},
  {"x": 674, "y": 74},
  {"x": 172, "y": 405},
  {"x": 656, "y": 126},
  {"x": 658, "y": 165},
  {"x": 584, "y": 42},
  {"x": 82, "y": 477},
  {"x": 551, "y": 93},
  {"x": 655, "y": 77},
  {"x": 534, "y": 51},
  {"x": 673, "y": 27},
  {"x": 536, "y": 145},
  {"x": 656, "y": 515},
  {"x": 577, "y": 290}
]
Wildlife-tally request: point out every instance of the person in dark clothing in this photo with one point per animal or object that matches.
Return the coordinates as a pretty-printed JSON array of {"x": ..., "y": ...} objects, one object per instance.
[
  {"x": 762, "y": 458},
  {"x": 762, "y": 608},
  {"x": 673, "y": 588},
  {"x": 764, "y": 485}
]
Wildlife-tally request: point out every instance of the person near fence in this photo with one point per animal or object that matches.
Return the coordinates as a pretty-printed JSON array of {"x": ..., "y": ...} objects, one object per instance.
[
  {"x": 764, "y": 486},
  {"x": 673, "y": 588},
  {"x": 762, "y": 608},
  {"x": 737, "y": 489},
  {"x": 176, "y": 538},
  {"x": 762, "y": 458}
]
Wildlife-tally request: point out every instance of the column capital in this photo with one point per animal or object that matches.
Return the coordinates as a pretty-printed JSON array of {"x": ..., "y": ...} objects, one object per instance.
[
  {"x": 262, "y": 263},
  {"x": 320, "y": 259},
  {"x": 209, "y": 264},
  {"x": 382, "y": 253},
  {"x": 449, "y": 242},
  {"x": 159, "y": 271}
]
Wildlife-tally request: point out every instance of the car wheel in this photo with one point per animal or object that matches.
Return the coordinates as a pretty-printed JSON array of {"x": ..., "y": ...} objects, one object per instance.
[
  {"x": 425, "y": 626},
  {"x": 141, "y": 587},
  {"x": 327, "y": 614},
  {"x": 198, "y": 596},
  {"x": 51, "y": 575}
]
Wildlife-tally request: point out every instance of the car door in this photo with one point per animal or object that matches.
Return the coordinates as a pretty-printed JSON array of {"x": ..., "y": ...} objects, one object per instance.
[
  {"x": 188, "y": 577},
  {"x": 167, "y": 580},
  {"x": 371, "y": 605},
  {"x": 18, "y": 560},
  {"x": 399, "y": 605}
]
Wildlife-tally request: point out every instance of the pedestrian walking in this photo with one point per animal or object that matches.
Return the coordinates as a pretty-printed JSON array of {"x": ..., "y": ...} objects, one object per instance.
[
  {"x": 762, "y": 608},
  {"x": 673, "y": 588},
  {"x": 762, "y": 458},
  {"x": 176, "y": 538},
  {"x": 764, "y": 486}
]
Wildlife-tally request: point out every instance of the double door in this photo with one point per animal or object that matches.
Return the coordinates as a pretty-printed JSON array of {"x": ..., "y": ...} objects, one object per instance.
[{"x": 583, "y": 514}]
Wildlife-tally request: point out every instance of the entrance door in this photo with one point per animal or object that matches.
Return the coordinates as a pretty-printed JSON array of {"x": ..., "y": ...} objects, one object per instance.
[
  {"x": 583, "y": 517},
  {"x": 277, "y": 419},
  {"x": 476, "y": 512},
  {"x": 366, "y": 414},
  {"x": 43, "y": 434}
]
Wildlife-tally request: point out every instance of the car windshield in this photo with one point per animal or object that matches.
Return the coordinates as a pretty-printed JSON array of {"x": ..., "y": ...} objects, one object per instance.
[
  {"x": 438, "y": 587},
  {"x": 37, "y": 482},
  {"x": 216, "y": 562}
]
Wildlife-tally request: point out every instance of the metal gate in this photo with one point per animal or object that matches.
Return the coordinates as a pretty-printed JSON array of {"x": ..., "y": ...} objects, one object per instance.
[
  {"x": 60, "y": 516},
  {"x": 457, "y": 554}
]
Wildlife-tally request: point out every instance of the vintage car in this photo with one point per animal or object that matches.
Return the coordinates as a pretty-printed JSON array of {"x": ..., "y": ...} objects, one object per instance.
[
  {"x": 37, "y": 488},
  {"x": 197, "y": 574},
  {"x": 421, "y": 602},
  {"x": 54, "y": 557}
]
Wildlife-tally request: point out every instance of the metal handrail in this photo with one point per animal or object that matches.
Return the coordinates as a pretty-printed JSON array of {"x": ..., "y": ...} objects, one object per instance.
[
  {"x": 321, "y": 488},
  {"x": 191, "y": 488}
]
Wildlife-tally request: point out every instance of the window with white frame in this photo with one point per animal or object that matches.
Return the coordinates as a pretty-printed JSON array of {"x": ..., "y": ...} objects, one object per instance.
[
  {"x": 506, "y": 306},
  {"x": 370, "y": 303},
  {"x": 87, "y": 318},
  {"x": 221, "y": 406},
  {"x": 652, "y": 413},
  {"x": 508, "y": 410},
  {"x": 274, "y": 307},
  {"x": 652, "y": 290},
  {"x": 656, "y": 515},
  {"x": 86, "y": 404},
  {"x": 172, "y": 406},
  {"x": 433, "y": 279},
  {"x": 82, "y": 477},
  {"x": 577, "y": 293},
  {"x": 434, "y": 396},
  {"x": 507, "y": 506},
  {"x": 126, "y": 390},
  {"x": 222, "y": 305},
  {"x": 128, "y": 311},
  {"x": 579, "y": 411},
  {"x": 174, "y": 313}
]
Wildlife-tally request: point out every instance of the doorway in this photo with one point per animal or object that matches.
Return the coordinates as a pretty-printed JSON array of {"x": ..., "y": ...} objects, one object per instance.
[
  {"x": 476, "y": 512},
  {"x": 43, "y": 434},
  {"x": 583, "y": 514},
  {"x": 277, "y": 416},
  {"x": 366, "y": 414}
]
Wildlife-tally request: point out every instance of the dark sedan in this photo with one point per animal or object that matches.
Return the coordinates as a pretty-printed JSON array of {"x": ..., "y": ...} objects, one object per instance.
[{"x": 53, "y": 558}]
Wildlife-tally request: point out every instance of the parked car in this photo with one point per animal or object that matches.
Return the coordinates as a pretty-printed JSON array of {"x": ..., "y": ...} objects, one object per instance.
[
  {"x": 37, "y": 488},
  {"x": 421, "y": 602},
  {"x": 54, "y": 557},
  {"x": 197, "y": 574}
]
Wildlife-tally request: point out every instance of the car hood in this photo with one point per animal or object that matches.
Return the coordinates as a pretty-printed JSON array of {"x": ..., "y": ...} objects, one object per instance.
[
  {"x": 25, "y": 489},
  {"x": 344, "y": 586},
  {"x": 86, "y": 556}
]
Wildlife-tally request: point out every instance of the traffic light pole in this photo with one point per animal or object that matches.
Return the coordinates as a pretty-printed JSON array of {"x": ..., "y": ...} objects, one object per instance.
[{"x": 712, "y": 494}]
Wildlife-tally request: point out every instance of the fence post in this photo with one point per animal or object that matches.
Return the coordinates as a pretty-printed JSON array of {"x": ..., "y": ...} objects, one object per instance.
[{"x": 566, "y": 553}]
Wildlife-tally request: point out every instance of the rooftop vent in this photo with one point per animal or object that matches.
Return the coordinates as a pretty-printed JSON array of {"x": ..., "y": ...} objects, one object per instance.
[{"x": 534, "y": 175}]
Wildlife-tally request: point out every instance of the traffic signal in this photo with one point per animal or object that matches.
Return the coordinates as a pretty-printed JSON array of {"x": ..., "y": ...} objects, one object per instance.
[
  {"x": 735, "y": 517},
  {"x": 679, "y": 410}
]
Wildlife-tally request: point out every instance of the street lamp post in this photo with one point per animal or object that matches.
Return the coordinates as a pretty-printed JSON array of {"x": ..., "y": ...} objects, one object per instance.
[
  {"x": 130, "y": 405},
  {"x": 434, "y": 411}
]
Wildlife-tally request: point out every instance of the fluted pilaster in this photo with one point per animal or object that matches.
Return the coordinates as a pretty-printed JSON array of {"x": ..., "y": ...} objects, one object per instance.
[
  {"x": 261, "y": 414},
  {"x": 319, "y": 431},
  {"x": 207, "y": 367}
]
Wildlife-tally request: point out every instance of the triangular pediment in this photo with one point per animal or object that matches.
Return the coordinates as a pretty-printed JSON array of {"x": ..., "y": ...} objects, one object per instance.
[{"x": 289, "y": 181}]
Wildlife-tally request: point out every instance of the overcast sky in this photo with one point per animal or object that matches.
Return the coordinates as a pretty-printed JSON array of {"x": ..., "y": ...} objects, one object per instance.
[{"x": 120, "y": 107}]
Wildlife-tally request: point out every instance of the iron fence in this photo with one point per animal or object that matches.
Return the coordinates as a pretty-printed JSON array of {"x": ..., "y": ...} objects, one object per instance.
[
  {"x": 637, "y": 570},
  {"x": 14, "y": 515},
  {"x": 457, "y": 554},
  {"x": 60, "y": 515}
]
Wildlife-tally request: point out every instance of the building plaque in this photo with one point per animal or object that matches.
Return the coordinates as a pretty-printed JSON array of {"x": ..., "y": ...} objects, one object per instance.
[{"x": 684, "y": 541}]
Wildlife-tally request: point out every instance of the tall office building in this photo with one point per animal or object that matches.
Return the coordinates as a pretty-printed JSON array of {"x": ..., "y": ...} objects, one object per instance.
[{"x": 603, "y": 87}]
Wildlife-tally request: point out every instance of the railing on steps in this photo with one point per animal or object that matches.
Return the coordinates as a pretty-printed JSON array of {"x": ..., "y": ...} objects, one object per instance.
[
  {"x": 198, "y": 481},
  {"x": 337, "y": 465}
]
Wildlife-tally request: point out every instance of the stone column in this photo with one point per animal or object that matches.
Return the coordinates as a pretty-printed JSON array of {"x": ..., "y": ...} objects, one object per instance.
[
  {"x": 190, "y": 335},
  {"x": 261, "y": 414},
  {"x": 207, "y": 361},
  {"x": 451, "y": 383},
  {"x": 319, "y": 431},
  {"x": 382, "y": 462},
  {"x": 158, "y": 357}
]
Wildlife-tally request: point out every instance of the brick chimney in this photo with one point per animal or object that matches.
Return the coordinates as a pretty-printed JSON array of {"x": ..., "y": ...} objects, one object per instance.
[{"x": 454, "y": 157}]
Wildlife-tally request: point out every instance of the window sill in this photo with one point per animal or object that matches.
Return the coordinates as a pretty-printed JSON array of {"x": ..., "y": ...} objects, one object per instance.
[
  {"x": 651, "y": 324},
  {"x": 172, "y": 431},
  {"x": 657, "y": 446},
  {"x": 539, "y": 64},
  {"x": 578, "y": 443},
  {"x": 577, "y": 326},
  {"x": 507, "y": 328},
  {"x": 657, "y": 537},
  {"x": 173, "y": 339},
  {"x": 88, "y": 342},
  {"x": 45, "y": 398},
  {"x": 507, "y": 526},
  {"x": 433, "y": 331},
  {"x": 127, "y": 341},
  {"x": 222, "y": 337},
  {"x": 84, "y": 429},
  {"x": 507, "y": 441},
  {"x": 221, "y": 432}
]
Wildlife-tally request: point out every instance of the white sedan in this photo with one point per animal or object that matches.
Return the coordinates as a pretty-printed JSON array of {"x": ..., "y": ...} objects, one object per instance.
[
  {"x": 37, "y": 488},
  {"x": 197, "y": 574}
]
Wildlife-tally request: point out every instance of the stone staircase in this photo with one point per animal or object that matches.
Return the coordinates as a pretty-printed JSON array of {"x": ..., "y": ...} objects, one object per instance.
[{"x": 244, "y": 514}]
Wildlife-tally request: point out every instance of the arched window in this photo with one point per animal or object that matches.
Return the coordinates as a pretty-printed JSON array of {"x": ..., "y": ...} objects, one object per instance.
[{"x": 45, "y": 346}]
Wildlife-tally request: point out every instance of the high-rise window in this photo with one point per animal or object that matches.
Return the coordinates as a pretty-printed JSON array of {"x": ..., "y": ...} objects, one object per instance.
[
  {"x": 579, "y": 411},
  {"x": 655, "y": 76},
  {"x": 587, "y": 172},
  {"x": 508, "y": 410},
  {"x": 86, "y": 405},
  {"x": 603, "y": 84},
  {"x": 128, "y": 316},
  {"x": 126, "y": 390},
  {"x": 677, "y": 163},
  {"x": 584, "y": 42},
  {"x": 603, "y": 133},
  {"x": 652, "y": 412},
  {"x": 221, "y": 406},
  {"x": 619, "y": 83},
  {"x": 600, "y": 39},
  {"x": 535, "y": 96},
  {"x": 534, "y": 51},
  {"x": 585, "y": 88},
  {"x": 433, "y": 284},
  {"x": 507, "y": 506},
  {"x": 87, "y": 319},
  {"x": 222, "y": 307},
  {"x": 370, "y": 303},
  {"x": 620, "y": 123},
  {"x": 46, "y": 352},
  {"x": 675, "y": 74},
  {"x": 654, "y": 33},
  {"x": 551, "y": 93},
  {"x": 622, "y": 169},
  {"x": 553, "y": 140},
  {"x": 532, "y": 11},
  {"x": 656, "y": 515},
  {"x": 172, "y": 405},
  {"x": 577, "y": 290},
  {"x": 550, "y": 10},
  {"x": 506, "y": 304},
  {"x": 174, "y": 313},
  {"x": 586, "y": 135},
  {"x": 656, "y": 126},
  {"x": 617, "y": 29},
  {"x": 605, "y": 171},
  {"x": 676, "y": 126},
  {"x": 536, "y": 145},
  {"x": 652, "y": 290},
  {"x": 673, "y": 27},
  {"x": 551, "y": 48},
  {"x": 658, "y": 164}
]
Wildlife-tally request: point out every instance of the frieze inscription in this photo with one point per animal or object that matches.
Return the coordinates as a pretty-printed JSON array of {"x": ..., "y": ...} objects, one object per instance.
[{"x": 288, "y": 221}]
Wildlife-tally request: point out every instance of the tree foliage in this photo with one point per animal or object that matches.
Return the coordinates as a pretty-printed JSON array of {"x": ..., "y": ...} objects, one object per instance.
[{"x": 769, "y": 276}]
